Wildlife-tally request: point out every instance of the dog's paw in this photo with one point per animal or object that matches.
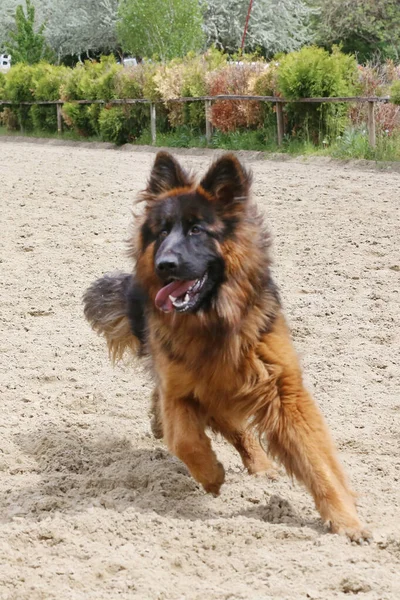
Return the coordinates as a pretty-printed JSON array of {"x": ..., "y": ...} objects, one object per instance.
[
  {"x": 358, "y": 533},
  {"x": 213, "y": 487},
  {"x": 272, "y": 472},
  {"x": 264, "y": 468}
]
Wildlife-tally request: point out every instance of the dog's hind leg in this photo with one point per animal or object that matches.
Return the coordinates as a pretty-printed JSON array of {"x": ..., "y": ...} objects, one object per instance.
[
  {"x": 251, "y": 452},
  {"x": 184, "y": 425},
  {"x": 299, "y": 437}
]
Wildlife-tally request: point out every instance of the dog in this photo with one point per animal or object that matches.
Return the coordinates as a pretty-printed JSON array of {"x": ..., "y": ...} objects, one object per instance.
[{"x": 202, "y": 305}]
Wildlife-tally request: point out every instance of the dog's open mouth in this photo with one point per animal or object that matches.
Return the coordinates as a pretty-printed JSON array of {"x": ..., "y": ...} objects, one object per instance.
[{"x": 181, "y": 296}]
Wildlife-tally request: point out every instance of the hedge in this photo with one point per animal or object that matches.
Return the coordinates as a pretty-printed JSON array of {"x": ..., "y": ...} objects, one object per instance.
[{"x": 309, "y": 72}]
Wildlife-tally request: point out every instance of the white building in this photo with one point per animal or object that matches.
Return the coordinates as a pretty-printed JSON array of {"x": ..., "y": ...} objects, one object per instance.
[{"x": 5, "y": 62}]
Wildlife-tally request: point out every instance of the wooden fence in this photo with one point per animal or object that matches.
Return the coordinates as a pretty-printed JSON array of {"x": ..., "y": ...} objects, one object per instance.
[{"x": 208, "y": 100}]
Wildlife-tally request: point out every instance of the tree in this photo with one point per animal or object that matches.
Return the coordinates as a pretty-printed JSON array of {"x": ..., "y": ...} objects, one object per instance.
[
  {"x": 274, "y": 25},
  {"x": 75, "y": 27},
  {"x": 7, "y": 19},
  {"x": 166, "y": 29},
  {"x": 362, "y": 27},
  {"x": 24, "y": 43}
]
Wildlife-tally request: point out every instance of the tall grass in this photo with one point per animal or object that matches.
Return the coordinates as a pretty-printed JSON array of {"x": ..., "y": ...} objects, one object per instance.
[{"x": 352, "y": 144}]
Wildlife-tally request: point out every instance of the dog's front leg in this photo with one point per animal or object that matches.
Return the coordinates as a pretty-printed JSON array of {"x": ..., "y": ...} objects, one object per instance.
[
  {"x": 183, "y": 425},
  {"x": 298, "y": 436}
]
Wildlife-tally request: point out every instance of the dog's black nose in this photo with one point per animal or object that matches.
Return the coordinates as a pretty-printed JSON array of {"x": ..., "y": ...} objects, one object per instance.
[{"x": 166, "y": 266}]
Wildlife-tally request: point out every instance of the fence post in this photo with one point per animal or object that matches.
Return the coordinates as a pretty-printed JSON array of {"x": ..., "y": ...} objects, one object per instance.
[
  {"x": 279, "y": 122},
  {"x": 59, "y": 119},
  {"x": 153, "y": 122},
  {"x": 371, "y": 124},
  {"x": 209, "y": 127}
]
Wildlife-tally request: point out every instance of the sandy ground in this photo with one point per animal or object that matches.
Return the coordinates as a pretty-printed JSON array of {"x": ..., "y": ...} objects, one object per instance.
[{"x": 91, "y": 506}]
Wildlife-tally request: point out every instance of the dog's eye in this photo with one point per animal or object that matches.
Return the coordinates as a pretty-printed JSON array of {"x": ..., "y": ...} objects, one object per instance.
[
  {"x": 194, "y": 230},
  {"x": 163, "y": 233}
]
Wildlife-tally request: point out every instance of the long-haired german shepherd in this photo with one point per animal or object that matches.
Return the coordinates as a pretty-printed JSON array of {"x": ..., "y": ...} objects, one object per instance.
[{"x": 203, "y": 306}]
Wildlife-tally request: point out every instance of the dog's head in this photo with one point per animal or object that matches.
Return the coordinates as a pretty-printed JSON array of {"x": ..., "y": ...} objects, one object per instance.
[{"x": 188, "y": 246}]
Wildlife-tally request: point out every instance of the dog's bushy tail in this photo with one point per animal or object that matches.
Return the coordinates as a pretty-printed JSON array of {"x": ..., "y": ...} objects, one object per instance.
[{"x": 107, "y": 307}]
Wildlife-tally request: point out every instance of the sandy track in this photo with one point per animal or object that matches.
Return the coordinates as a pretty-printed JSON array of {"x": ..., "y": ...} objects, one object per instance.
[{"x": 91, "y": 506}]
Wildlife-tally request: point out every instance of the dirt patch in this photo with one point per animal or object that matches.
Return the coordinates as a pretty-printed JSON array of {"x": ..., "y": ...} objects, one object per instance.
[{"x": 91, "y": 506}]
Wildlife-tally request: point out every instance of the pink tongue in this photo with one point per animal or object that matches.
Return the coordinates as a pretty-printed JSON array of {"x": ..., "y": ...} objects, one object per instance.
[{"x": 176, "y": 289}]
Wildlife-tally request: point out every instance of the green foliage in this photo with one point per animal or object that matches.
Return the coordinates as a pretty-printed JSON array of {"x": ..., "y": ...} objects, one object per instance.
[
  {"x": 107, "y": 71},
  {"x": 79, "y": 118},
  {"x": 47, "y": 80},
  {"x": 24, "y": 43},
  {"x": 2, "y": 84},
  {"x": 19, "y": 87},
  {"x": 111, "y": 124},
  {"x": 121, "y": 124},
  {"x": 150, "y": 89},
  {"x": 313, "y": 72},
  {"x": 129, "y": 83},
  {"x": 394, "y": 92},
  {"x": 92, "y": 80},
  {"x": 309, "y": 72},
  {"x": 354, "y": 144},
  {"x": 266, "y": 84},
  {"x": 9, "y": 119},
  {"x": 166, "y": 29},
  {"x": 44, "y": 118},
  {"x": 363, "y": 27},
  {"x": 26, "y": 83}
]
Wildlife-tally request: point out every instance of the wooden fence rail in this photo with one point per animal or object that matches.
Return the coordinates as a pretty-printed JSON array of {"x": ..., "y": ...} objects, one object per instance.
[{"x": 208, "y": 100}]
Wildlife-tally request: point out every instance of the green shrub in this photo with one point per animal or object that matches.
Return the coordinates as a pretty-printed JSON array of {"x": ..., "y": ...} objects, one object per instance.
[
  {"x": 89, "y": 81},
  {"x": 129, "y": 83},
  {"x": 46, "y": 83},
  {"x": 19, "y": 88},
  {"x": 354, "y": 144},
  {"x": 26, "y": 83},
  {"x": 106, "y": 82},
  {"x": 91, "y": 113},
  {"x": 122, "y": 124},
  {"x": 309, "y": 72},
  {"x": 266, "y": 84},
  {"x": 150, "y": 89},
  {"x": 313, "y": 72},
  {"x": 9, "y": 118},
  {"x": 2, "y": 86},
  {"x": 44, "y": 118},
  {"x": 78, "y": 117},
  {"x": 111, "y": 124},
  {"x": 394, "y": 92},
  {"x": 92, "y": 80},
  {"x": 47, "y": 80}
]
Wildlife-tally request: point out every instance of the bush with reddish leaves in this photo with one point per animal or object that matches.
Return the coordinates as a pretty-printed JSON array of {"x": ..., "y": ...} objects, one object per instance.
[
  {"x": 229, "y": 115},
  {"x": 376, "y": 80}
]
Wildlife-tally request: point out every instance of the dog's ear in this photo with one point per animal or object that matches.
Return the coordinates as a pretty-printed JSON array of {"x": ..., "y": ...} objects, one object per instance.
[
  {"x": 166, "y": 175},
  {"x": 227, "y": 181}
]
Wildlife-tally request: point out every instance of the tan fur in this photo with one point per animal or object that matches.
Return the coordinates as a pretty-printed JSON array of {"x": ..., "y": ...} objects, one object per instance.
[{"x": 235, "y": 370}]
